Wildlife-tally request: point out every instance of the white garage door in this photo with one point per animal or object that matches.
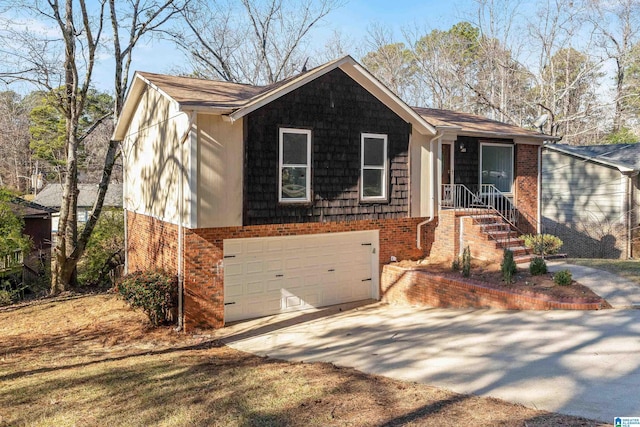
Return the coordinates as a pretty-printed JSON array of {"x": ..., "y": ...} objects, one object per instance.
[{"x": 269, "y": 275}]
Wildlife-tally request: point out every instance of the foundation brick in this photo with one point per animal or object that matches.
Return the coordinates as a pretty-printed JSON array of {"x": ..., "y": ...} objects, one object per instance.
[{"x": 153, "y": 244}]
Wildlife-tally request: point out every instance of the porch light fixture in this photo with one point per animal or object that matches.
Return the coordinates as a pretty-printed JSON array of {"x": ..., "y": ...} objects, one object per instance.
[{"x": 462, "y": 148}]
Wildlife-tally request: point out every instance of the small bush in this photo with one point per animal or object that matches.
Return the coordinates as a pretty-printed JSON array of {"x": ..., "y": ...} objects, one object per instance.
[
  {"x": 508, "y": 266},
  {"x": 155, "y": 292},
  {"x": 9, "y": 293},
  {"x": 562, "y": 278},
  {"x": 6, "y": 298},
  {"x": 466, "y": 262},
  {"x": 455, "y": 264},
  {"x": 537, "y": 266},
  {"x": 542, "y": 244}
]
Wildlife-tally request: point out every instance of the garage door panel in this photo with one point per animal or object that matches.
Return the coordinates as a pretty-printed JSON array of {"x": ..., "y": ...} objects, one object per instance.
[
  {"x": 254, "y": 267},
  {"x": 274, "y": 265},
  {"x": 256, "y": 287},
  {"x": 254, "y": 247},
  {"x": 234, "y": 290},
  {"x": 262, "y": 307},
  {"x": 281, "y": 274},
  {"x": 234, "y": 269},
  {"x": 233, "y": 247},
  {"x": 274, "y": 285}
]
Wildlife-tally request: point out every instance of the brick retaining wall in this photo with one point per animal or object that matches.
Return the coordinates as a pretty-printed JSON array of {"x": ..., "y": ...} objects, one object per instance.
[{"x": 421, "y": 288}]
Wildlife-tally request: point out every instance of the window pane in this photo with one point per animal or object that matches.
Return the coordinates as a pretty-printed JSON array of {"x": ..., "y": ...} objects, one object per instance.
[
  {"x": 497, "y": 167},
  {"x": 374, "y": 152},
  {"x": 294, "y": 149},
  {"x": 372, "y": 183},
  {"x": 294, "y": 183}
]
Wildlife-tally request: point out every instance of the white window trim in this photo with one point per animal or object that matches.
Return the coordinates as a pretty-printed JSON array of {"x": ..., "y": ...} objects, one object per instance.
[
  {"x": 384, "y": 167},
  {"x": 306, "y": 132},
  {"x": 513, "y": 166}
]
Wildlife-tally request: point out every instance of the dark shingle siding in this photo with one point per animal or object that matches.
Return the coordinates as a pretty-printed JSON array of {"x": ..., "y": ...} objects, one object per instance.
[{"x": 337, "y": 110}]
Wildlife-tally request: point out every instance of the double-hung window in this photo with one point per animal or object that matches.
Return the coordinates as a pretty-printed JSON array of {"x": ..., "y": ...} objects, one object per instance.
[
  {"x": 294, "y": 180},
  {"x": 373, "y": 167}
]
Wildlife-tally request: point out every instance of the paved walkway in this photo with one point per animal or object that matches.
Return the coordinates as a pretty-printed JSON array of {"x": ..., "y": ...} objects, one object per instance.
[
  {"x": 618, "y": 291},
  {"x": 572, "y": 362}
]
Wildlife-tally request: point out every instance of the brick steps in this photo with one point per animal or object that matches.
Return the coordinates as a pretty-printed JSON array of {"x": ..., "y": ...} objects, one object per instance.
[{"x": 502, "y": 235}]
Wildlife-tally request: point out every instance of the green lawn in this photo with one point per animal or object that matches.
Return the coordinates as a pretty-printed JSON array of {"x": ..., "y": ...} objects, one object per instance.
[{"x": 625, "y": 268}]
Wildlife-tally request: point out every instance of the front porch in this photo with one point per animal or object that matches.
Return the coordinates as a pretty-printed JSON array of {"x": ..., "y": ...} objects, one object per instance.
[{"x": 486, "y": 196}]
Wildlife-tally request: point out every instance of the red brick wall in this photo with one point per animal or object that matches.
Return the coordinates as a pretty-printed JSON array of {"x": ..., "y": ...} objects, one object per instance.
[
  {"x": 204, "y": 273},
  {"x": 151, "y": 244},
  {"x": 526, "y": 185},
  {"x": 419, "y": 288},
  {"x": 481, "y": 245},
  {"x": 446, "y": 244}
]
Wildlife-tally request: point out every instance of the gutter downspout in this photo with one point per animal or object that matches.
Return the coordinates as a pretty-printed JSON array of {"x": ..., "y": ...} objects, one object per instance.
[
  {"x": 192, "y": 119},
  {"x": 629, "y": 208},
  {"x": 432, "y": 196},
  {"x": 539, "y": 222}
]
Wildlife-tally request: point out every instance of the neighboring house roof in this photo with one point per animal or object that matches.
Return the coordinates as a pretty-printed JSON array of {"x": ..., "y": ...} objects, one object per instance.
[
  {"x": 51, "y": 195},
  {"x": 474, "y": 125},
  {"x": 27, "y": 209},
  {"x": 624, "y": 157}
]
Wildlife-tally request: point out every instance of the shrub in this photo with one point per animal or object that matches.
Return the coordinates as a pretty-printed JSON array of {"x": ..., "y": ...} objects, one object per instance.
[
  {"x": 10, "y": 293},
  {"x": 537, "y": 266},
  {"x": 562, "y": 278},
  {"x": 455, "y": 264},
  {"x": 466, "y": 262},
  {"x": 156, "y": 292},
  {"x": 508, "y": 266},
  {"x": 6, "y": 298},
  {"x": 542, "y": 244}
]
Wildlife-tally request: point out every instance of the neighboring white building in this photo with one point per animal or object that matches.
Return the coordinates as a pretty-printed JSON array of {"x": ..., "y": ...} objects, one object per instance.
[{"x": 51, "y": 196}]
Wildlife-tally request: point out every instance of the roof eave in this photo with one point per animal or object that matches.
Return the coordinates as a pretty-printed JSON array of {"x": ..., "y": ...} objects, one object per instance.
[
  {"x": 136, "y": 90},
  {"x": 205, "y": 109},
  {"x": 267, "y": 97},
  {"x": 541, "y": 138}
]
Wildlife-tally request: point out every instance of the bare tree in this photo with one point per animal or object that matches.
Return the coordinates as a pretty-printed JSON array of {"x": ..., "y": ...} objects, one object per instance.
[
  {"x": 15, "y": 156},
  {"x": 617, "y": 23},
  {"x": 257, "y": 42},
  {"x": 63, "y": 56},
  {"x": 444, "y": 62},
  {"x": 392, "y": 63},
  {"x": 339, "y": 44},
  {"x": 567, "y": 71}
]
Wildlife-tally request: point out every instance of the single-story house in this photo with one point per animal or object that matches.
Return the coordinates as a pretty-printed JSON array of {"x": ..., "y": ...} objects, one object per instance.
[
  {"x": 37, "y": 221},
  {"x": 51, "y": 196},
  {"x": 268, "y": 199},
  {"x": 591, "y": 199}
]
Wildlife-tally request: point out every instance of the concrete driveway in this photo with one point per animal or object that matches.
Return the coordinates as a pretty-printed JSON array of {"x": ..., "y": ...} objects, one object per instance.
[{"x": 572, "y": 362}]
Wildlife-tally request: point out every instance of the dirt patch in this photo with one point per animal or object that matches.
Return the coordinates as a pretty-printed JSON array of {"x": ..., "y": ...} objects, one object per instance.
[
  {"x": 489, "y": 275},
  {"x": 94, "y": 361}
]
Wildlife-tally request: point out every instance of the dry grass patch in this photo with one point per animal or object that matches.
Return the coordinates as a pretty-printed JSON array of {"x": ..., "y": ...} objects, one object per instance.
[
  {"x": 623, "y": 267},
  {"x": 93, "y": 361}
]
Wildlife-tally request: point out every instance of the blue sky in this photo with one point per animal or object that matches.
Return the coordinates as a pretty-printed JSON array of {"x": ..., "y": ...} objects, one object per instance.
[{"x": 351, "y": 20}]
